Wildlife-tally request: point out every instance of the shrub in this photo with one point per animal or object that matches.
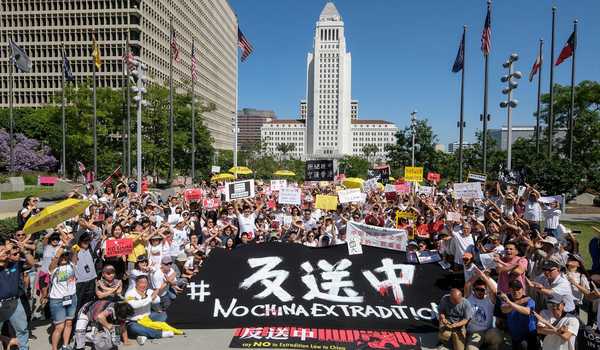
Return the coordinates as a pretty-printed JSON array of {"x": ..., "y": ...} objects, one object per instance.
[{"x": 8, "y": 226}]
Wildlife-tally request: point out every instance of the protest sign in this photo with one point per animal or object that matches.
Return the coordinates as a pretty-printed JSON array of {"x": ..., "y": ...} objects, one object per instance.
[
  {"x": 118, "y": 247},
  {"x": 192, "y": 194},
  {"x": 319, "y": 338},
  {"x": 290, "y": 195},
  {"x": 275, "y": 284},
  {"x": 211, "y": 203},
  {"x": 215, "y": 169},
  {"x": 468, "y": 190},
  {"x": 426, "y": 190},
  {"x": 354, "y": 246},
  {"x": 370, "y": 185},
  {"x": 381, "y": 173},
  {"x": 319, "y": 170},
  {"x": 550, "y": 199},
  {"x": 326, "y": 202},
  {"x": 376, "y": 236},
  {"x": 239, "y": 190},
  {"x": 428, "y": 256},
  {"x": 277, "y": 185},
  {"x": 476, "y": 177},
  {"x": 403, "y": 187},
  {"x": 406, "y": 215},
  {"x": 413, "y": 173},
  {"x": 434, "y": 177},
  {"x": 453, "y": 216},
  {"x": 351, "y": 195},
  {"x": 487, "y": 260},
  {"x": 389, "y": 188}
]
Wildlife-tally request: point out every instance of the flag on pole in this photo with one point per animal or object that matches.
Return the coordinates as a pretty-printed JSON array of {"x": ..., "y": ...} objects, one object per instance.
[
  {"x": 67, "y": 72},
  {"x": 194, "y": 62},
  {"x": 19, "y": 57},
  {"x": 129, "y": 59},
  {"x": 459, "y": 62},
  {"x": 486, "y": 35},
  {"x": 536, "y": 67},
  {"x": 81, "y": 167},
  {"x": 245, "y": 45},
  {"x": 174, "y": 46},
  {"x": 96, "y": 53},
  {"x": 568, "y": 49}
]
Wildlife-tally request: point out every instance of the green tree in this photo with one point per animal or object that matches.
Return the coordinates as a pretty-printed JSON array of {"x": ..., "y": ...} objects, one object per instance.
[
  {"x": 369, "y": 150},
  {"x": 354, "y": 166},
  {"x": 285, "y": 149}
]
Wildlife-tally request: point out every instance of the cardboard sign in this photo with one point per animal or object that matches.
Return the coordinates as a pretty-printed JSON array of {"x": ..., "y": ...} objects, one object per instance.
[
  {"x": 413, "y": 173},
  {"x": 434, "y": 177},
  {"x": 405, "y": 214},
  {"x": 453, "y": 216},
  {"x": 215, "y": 169},
  {"x": 427, "y": 190},
  {"x": 351, "y": 195},
  {"x": 319, "y": 170},
  {"x": 468, "y": 190},
  {"x": 192, "y": 194},
  {"x": 476, "y": 177},
  {"x": 211, "y": 203},
  {"x": 326, "y": 202},
  {"x": 376, "y": 236},
  {"x": 239, "y": 190},
  {"x": 290, "y": 195},
  {"x": 403, "y": 187},
  {"x": 118, "y": 247},
  {"x": 277, "y": 185}
]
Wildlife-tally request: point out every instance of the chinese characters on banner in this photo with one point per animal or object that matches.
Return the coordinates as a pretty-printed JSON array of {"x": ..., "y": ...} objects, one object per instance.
[
  {"x": 211, "y": 203},
  {"x": 118, "y": 247},
  {"x": 433, "y": 177},
  {"x": 277, "y": 185},
  {"x": 476, "y": 177},
  {"x": 289, "y": 195},
  {"x": 413, "y": 173},
  {"x": 468, "y": 190},
  {"x": 375, "y": 236},
  {"x": 351, "y": 195},
  {"x": 192, "y": 194},
  {"x": 381, "y": 173},
  {"x": 292, "y": 285},
  {"x": 319, "y": 170}
]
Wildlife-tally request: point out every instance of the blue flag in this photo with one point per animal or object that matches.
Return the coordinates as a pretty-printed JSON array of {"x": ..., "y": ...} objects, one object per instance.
[
  {"x": 67, "y": 72},
  {"x": 459, "y": 62}
]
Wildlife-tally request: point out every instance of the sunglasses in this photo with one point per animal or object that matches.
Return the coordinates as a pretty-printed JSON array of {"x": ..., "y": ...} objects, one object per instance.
[{"x": 480, "y": 290}]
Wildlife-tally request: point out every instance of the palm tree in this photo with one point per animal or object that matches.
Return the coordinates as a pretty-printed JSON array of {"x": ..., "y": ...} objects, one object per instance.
[
  {"x": 370, "y": 150},
  {"x": 285, "y": 148}
]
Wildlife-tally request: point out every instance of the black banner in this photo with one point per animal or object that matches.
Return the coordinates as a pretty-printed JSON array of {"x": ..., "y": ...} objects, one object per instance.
[
  {"x": 278, "y": 284},
  {"x": 382, "y": 174},
  {"x": 319, "y": 170},
  {"x": 320, "y": 338}
]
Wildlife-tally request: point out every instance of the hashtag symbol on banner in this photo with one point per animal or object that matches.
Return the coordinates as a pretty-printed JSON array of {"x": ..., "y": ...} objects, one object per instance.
[{"x": 198, "y": 291}]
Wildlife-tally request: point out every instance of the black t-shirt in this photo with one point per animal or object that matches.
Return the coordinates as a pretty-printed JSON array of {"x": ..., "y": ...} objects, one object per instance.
[{"x": 10, "y": 277}]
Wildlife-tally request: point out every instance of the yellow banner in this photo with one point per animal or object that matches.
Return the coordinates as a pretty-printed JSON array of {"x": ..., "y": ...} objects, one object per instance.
[
  {"x": 326, "y": 202},
  {"x": 413, "y": 173},
  {"x": 405, "y": 214}
]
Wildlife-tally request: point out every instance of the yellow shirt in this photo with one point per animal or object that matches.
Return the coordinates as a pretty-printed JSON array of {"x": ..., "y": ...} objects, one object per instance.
[{"x": 139, "y": 248}]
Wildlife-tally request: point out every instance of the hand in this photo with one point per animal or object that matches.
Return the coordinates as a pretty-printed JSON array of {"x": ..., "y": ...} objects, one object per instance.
[
  {"x": 504, "y": 297},
  {"x": 537, "y": 285}
]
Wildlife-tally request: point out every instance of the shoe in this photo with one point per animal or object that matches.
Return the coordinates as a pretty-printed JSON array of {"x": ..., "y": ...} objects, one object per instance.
[
  {"x": 66, "y": 347},
  {"x": 166, "y": 334},
  {"x": 141, "y": 340}
]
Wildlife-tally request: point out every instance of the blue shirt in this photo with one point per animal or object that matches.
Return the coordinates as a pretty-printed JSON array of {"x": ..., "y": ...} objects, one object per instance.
[
  {"x": 10, "y": 276},
  {"x": 520, "y": 325},
  {"x": 594, "y": 248}
]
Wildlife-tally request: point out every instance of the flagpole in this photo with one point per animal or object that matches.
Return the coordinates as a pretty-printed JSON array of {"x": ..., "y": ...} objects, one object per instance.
[
  {"x": 193, "y": 117},
  {"x": 171, "y": 99},
  {"x": 551, "y": 112},
  {"x": 128, "y": 98},
  {"x": 63, "y": 160},
  {"x": 572, "y": 108},
  {"x": 462, "y": 107},
  {"x": 235, "y": 116},
  {"x": 539, "y": 98},
  {"x": 124, "y": 89},
  {"x": 485, "y": 102},
  {"x": 94, "y": 120},
  {"x": 10, "y": 110}
]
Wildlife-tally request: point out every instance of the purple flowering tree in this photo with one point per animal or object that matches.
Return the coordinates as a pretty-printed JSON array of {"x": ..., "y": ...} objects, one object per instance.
[{"x": 30, "y": 154}]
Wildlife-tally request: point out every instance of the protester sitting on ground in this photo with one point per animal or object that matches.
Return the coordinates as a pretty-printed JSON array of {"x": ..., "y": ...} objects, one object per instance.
[
  {"x": 559, "y": 327},
  {"x": 455, "y": 312},
  {"x": 108, "y": 287},
  {"x": 96, "y": 322}
]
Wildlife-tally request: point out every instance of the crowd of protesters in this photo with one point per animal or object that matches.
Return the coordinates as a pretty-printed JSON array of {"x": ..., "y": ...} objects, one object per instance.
[{"x": 531, "y": 290}]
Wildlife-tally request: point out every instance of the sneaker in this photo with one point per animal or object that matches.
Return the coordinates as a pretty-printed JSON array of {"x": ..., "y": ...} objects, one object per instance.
[
  {"x": 66, "y": 347},
  {"x": 166, "y": 334},
  {"x": 141, "y": 340}
]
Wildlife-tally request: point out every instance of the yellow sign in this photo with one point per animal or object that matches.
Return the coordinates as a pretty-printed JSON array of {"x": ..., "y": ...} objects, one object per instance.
[
  {"x": 326, "y": 202},
  {"x": 405, "y": 214},
  {"x": 413, "y": 173}
]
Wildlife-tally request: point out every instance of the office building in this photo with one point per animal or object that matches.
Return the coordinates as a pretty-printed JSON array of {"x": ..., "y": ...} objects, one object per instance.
[
  {"x": 527, "y": 132},
  {"x": 249, "y": 123}
]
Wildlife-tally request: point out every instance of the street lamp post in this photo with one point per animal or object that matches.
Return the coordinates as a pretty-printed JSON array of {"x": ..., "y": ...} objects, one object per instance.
[
  {"x": 509, "y": 104},
  {"x": 413, "y": 123},
  {"x": 139, "y": 89}
]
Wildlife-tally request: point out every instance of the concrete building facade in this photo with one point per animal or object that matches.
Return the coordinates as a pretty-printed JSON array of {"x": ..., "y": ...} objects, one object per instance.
[
  {"x": 40, "y": 27},
  {"x": 250, "y": 121}
]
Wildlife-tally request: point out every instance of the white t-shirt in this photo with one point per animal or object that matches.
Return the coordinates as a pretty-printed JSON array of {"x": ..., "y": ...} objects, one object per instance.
[
  {"x": 141, "y": 303},
  {"x": 533, "y": 211},
  {"x": 155, "y": 253},
  {"x": 158, "y": 278},
  {"x": 552, "y": 218},
  {"x": 483, "y": 314},
  {"x": 554, "y": 342},
  {"x": 459, "y": 245},
  {"x": 63, "y": 281},
  {"x": 49, "y": 253},
  {"x": 85, "y": 270},
  {"x": 247, "y": 223}
]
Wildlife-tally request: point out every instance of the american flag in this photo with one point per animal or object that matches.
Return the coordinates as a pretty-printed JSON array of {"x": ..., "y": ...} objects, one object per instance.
[
  {"x": 486, "y": 36},
  {"x": 174, "y": 46},
  {"x": 194, "y": 62},
  {"x": 129, "y": 59},
  {"x": 245, "y": 45}
]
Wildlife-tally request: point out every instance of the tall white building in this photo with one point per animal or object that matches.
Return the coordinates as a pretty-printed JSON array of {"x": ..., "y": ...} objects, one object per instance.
[{"x": 329, "y": 117}]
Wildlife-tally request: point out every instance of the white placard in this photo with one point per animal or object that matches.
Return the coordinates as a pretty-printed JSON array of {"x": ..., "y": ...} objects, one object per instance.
[
  {"x": 354, "y": 245},
  {"x": 468, "y": 190},
  {"x": 277, "y": 185},
  {"x": 453, "y": 216},
  {"x": 428, "y": 256},
  {"x": 389, "y": 188},
  {"x": 487, "y": 260},
  {"x": 427, "y": 190},
  {"x": 239, "y": 190},
  {"x": 521, "y": 191},
  {"x": 351, "y": 195},
  {"x": 215, "y": 169},
  {"x": 550, "y": 199},
  {"x": 477, "y": 177},
  {"x": 370, "y": 184},
  {"x": 289, "y": 195}
]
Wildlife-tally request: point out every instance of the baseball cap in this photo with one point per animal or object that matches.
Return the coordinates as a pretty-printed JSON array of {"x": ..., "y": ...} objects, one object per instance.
[
  {"x": 558, "y": 299},
  {"x": 413, "y": 243},
  {"x": 550, "y": 240},
  {"x": 549, "y": 265}
]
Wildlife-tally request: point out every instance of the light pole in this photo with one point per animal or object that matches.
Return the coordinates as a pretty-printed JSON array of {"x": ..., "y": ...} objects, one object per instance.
[
  {"x": 413, "y": 125},
  {"x": 509, "y": 104},
  {"x": 139, "y": 89}
]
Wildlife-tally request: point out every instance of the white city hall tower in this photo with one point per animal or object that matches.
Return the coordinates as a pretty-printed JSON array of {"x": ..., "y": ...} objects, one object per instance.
[{"x": 328, "y": 89}]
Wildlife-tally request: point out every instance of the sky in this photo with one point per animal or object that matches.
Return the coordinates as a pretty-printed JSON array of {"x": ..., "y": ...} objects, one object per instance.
[{"x": 403, "y": 51}]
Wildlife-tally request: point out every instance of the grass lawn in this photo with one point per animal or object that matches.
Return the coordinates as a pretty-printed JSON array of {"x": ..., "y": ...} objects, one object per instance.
[
  {"x": 584, "y": 237},
  {"x": 29, "y": 191}
]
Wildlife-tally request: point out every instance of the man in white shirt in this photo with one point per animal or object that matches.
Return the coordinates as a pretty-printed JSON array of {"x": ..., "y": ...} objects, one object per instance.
[
  {"x": 480, "y": 330},
  {"x": 553, "y": 285},
  {"x": 165, "y": 274},
  {"x": 552, "y": 218},
  {"x": 247, "y": 218},
  {"x": 559, "y": 327},
  {"x": 462, "y": 241}
]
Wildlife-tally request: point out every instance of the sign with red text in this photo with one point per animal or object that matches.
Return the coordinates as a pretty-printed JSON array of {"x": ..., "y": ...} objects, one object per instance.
[{"x": 118, "y": 247}]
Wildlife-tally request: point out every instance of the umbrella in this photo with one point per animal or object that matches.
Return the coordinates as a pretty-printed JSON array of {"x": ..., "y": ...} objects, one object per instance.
[
  {"x": 391, "y": 178},
  {"x": 241, "y": 170},
  {"x": 353, "y": 182},
  {"x": 55, "y": 214},
  {"x": 284, "y": 173},
  {"x": 223, "y": 177}
]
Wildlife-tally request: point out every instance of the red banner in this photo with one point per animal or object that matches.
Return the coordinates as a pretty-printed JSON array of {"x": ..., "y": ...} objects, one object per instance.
[
  {"x": 192, "y": 194},
  {"x": 118, "y": 247},
  {"x": 211, "y": 203},
  {"x": 434, "y": 177}
]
